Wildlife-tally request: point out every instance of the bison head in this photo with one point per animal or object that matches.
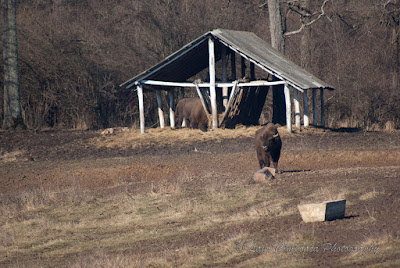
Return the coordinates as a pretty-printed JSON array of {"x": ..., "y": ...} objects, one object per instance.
[{"x": 269, "y": 141}]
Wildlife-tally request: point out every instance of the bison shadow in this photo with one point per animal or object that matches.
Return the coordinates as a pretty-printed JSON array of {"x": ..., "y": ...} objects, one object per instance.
[{"x": 294, "y": 171}]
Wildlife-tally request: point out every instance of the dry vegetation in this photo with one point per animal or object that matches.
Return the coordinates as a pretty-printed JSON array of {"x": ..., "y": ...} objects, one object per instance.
[
  {"x": 169, "y": 208},
  {"x": 175, "y": 137},
  {"x": 169, "y": 137},
  {"x": 172, "y": 224}
]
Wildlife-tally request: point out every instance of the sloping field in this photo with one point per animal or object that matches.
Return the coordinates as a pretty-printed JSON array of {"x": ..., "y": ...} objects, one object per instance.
[{"x": 184, "y": 198}]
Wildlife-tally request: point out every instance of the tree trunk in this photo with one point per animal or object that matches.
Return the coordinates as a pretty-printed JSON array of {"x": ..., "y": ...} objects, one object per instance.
[
  {"x": 305, "y": 49},
  {"x": 305, "y": 58},
  {"x": 12, "y": 116},
  {"x": 275, "y": 25},
  {"x": 277, "y": 42},
  {"x": 396, "y": 60}
]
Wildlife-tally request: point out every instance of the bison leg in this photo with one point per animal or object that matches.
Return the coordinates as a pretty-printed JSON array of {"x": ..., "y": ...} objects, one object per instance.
[
  {"x": 276, "y": 167},
  {"x": 179, "y": 121},
  {"x": 260, "y": 157},
  {"x": 262, "y": 163},
  {"x": 187, "y": 123},
  {"x": 275, "y": 159},
  {"x": 263, "y": 159},
  {"x": 193, "y": 125},
  {"x": 267, "y": 160},
  {"x": 182, "y": 122}
]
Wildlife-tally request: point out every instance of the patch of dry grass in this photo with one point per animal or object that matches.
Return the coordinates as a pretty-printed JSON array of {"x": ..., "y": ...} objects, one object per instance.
[
  {"x": 8, "y": 157},
  {"x": 371, "y": 195},
  {"x": 369, "y": 251},
  {"x": 56, "y": 223},
  {"x": 168, "y": 136},
  {"x": 189, "y": 221},
  {"x": 326, "y": 193}
]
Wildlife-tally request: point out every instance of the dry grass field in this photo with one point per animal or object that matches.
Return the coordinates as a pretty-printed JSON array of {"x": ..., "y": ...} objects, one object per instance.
[{"x": 184, "y": 198}]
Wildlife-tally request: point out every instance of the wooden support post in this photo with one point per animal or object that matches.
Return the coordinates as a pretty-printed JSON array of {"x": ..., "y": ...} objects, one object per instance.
[
  {"x": 181, "y": 96},
  {"x": 252, "y": 72},
  {"x": 315, "y": 108},
  {"x": 232, "y": 98},
  {"x": 243, "y": 65},
  {"x": 296, "y": 108},
  {"x": 224, "y": 77},
  {"x": 160, "y": 109},
  {"x": 233, "y": 69},
  {"x": 288, "y": 108},
  {"x": 171, "y": 108},
  {"x": 306, "y": 111},
  {"x": 203, "y": 102},
  {"x": 322, "y": 108},
  {"x": 213, "y": 95},
  {"x": 141, "y": 107}
]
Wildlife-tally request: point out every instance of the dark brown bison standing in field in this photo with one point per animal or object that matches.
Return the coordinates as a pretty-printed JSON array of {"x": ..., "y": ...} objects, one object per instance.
[
  {"x": 191, "y": 110},
  {"x": 268, "y": 146}
]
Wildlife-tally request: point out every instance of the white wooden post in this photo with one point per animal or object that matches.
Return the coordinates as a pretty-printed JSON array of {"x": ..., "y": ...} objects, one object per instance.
[
  {"x": 233, "y": 69},
  {"x": 288, "y": 108},
  {"x": 141, "y": 107},
  {"x": 224, "y": 77},
  {"x": 322, "y": 108},
  {"x": 181, "y": 96},
  {"x": 160, "y": 110},
  {"x": 306, "y": 111},
  {"x": 296, "y": 108},
  {"x": 171, "y": 108},
  {"x": 213, "y": 95},
  {"x": 315, "y": 108}
]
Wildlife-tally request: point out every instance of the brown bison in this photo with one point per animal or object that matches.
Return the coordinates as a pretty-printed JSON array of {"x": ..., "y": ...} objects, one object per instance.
[
  {"x": 191, "y": 110},
  {"x": 268, "y": 146}
]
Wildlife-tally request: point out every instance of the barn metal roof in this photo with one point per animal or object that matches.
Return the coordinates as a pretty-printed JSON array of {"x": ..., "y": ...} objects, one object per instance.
[{"x": 193, "y": 58}]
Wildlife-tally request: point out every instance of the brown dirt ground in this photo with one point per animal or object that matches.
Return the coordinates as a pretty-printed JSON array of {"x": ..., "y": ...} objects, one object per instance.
[{"x": 31, "y": 159}]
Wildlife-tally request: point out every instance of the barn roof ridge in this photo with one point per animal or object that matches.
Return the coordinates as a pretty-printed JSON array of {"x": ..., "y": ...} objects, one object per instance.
[{"x": 190, "y": 59}]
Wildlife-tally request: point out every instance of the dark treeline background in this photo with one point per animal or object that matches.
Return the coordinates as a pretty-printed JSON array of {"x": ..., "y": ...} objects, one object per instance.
[{"x": 73, "y": 54}]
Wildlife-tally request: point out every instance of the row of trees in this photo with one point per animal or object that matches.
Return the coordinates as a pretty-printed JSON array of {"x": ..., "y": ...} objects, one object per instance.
[{"x": 73, "y": 54}]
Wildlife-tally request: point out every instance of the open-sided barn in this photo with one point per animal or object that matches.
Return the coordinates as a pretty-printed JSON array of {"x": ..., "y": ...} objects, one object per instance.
[{"x": 242, "y": 99}]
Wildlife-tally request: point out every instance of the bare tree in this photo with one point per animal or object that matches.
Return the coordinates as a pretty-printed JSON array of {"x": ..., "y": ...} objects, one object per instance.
[
  {"x": 278, "y": 34},
  {"x": 277, "y": 42},
  {"x": 12, "y": 116},
  {"x": 391, "y": 19},
  {"x": 305, "y": 51}
]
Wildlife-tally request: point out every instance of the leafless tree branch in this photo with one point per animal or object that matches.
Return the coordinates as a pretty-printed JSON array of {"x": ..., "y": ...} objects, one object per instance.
[{"x": 303, "y": 24}]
